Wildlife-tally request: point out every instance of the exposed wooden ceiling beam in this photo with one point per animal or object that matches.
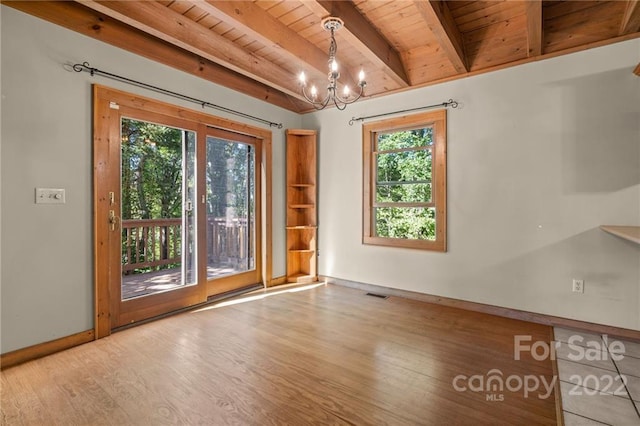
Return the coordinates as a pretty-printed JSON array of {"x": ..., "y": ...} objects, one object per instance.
[
  {"x": 438, "y": 18},
  {"x": 359, "y": 33},
  {"x": 170, "y": 26},
  {"x": 637, "y": 70},
  {"x": 78, "y": 18},
  {"x": 631, "y": 19},
  {"x": 261, "y": 25},
  {"x": 533, "y": 13}
]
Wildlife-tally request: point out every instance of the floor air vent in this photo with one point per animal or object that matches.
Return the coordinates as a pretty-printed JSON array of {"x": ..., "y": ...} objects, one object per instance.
[{"x": 379, "y": 296}]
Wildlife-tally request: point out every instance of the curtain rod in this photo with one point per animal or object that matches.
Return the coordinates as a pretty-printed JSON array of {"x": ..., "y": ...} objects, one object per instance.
[
  {"x": 450, "y": 102},
  {"x": 95, "y": 71}
]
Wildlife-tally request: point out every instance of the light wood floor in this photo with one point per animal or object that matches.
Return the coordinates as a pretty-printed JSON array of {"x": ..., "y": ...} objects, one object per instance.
[{"x": 327, "y": 355}]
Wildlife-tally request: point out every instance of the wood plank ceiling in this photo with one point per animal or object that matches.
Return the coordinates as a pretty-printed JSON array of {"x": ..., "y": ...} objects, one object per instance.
[{"x": 260, "y": 47}]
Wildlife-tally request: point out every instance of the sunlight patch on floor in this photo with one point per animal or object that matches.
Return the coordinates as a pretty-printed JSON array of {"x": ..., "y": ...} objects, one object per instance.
[{"x": 250, "y": 297}]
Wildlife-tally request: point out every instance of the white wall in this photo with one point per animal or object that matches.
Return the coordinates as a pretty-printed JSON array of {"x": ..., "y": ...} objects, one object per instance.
[
  {"x": 538, "y": 157},
  {"x": 46, "y": 275}
]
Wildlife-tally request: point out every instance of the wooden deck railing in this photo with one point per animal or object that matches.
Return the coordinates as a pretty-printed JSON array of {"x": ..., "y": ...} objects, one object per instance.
[
  {"x": 154, "y": 243},
  {"x": 150, "y": 243},
  {"x": 227, "y": 240}
]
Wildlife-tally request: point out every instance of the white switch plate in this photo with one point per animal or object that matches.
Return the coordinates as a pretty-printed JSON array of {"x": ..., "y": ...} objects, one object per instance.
[
  {"x": 578, "y": 286},
  {"x": 50, "y": 196}
]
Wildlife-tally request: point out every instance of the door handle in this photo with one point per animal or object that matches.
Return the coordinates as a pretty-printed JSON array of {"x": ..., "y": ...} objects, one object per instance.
[{"x": 113, "y": 219}]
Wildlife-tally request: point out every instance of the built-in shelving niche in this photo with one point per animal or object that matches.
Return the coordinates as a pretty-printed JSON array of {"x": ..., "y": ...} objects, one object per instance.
[{"x": 302, "y": 230}]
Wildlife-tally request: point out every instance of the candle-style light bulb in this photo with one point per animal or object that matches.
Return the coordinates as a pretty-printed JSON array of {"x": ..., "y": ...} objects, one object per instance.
[
  {"x": 314, "y": 91},
  {"x": 361, "y": 76},
  {"x": 334, "y": 66},
  {"x": 346, "y": 91},
  {"x": 302, "y": 78}
]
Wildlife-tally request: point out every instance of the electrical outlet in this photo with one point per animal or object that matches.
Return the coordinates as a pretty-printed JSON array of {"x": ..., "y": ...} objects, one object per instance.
[{"x": 578, "y": 286}]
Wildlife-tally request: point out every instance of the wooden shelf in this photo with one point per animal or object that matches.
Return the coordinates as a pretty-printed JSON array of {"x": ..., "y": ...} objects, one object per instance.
[
  {"x": 630, "y": 233},
  {"x": 302, "y": 232},
  {"x": 301, "y": 278}
]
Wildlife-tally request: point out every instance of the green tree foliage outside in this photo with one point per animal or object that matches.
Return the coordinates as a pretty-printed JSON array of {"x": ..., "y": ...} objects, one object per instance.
[
  {"x": 404, "y": 175},
  {"x": 153, "y": 157},
  {"x": 152, "y": 186},
  {"x": 230, "y": 183},
  {"x": 151, "y": 171}
]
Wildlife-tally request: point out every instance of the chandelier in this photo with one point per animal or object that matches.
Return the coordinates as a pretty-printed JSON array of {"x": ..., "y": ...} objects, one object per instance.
[{"x": 332, "y": 24}]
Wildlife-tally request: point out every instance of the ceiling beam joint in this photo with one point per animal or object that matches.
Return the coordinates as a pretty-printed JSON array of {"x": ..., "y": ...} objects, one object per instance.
[
  {"x": 631, "y": 19},
  {"x": 533, "y": 13},
  {"x": 438, "y": 17}
]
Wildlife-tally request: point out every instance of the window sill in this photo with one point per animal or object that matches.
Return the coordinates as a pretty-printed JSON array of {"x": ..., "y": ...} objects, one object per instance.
[{"x": 439, "y": 246}]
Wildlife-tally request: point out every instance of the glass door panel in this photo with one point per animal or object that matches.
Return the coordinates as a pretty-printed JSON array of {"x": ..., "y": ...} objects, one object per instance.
[
  {"x": 158, "y": 193},
  {"x": 231, "y": 207}
]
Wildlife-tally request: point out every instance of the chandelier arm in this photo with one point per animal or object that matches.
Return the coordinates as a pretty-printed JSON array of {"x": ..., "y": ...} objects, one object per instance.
[
  {"x": 350, "y": 101},
  {"x": 337, "y": 104},
  {"x": 317, "y": 104},
  {"x": 321, "y": 105},
  {"x": 345, "y": 101},
  {"x": 325, "y": 102}
]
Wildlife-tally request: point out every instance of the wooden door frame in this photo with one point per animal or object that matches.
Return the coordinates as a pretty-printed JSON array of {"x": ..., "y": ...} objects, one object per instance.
[{"x": 105, "y": 104}]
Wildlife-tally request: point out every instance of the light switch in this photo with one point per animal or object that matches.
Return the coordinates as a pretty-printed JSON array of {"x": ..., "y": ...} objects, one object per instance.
[{"x": 49, "y": 196}]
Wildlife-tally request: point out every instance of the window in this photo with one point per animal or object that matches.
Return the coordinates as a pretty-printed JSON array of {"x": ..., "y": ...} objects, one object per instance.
[{"x": 404, "y": 180}]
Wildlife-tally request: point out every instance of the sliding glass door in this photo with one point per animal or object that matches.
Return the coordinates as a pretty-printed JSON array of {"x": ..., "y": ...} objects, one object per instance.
[{"x": 178, "y": 212}]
